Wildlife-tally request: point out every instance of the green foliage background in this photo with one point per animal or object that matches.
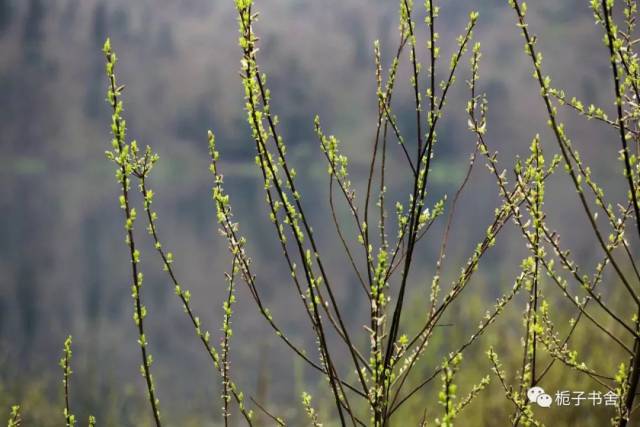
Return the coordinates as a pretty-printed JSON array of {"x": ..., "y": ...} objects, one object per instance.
[{"x": 60, "y": 265}]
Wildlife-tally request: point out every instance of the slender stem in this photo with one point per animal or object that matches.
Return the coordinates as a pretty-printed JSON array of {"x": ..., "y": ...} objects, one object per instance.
[
  {"x": 125, "y": 170},
  {"x": 563, "y": 142},
  {"x": 634, "y": 373}
]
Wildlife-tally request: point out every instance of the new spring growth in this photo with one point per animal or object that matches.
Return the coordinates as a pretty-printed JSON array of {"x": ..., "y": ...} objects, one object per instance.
[
  {"x": 65, "y": 364},
  {"x": 14, "y": 417},
  {"x": 448, "y": 393},
  {"x": 383, "y": 376},
  {"x": 308, "y": 408},
  {"x": 330, "y": 145},
  {"x": 128, "y": 164}
]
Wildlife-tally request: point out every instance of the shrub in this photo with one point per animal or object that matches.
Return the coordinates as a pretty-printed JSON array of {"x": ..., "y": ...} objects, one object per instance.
[{"x": 368, "y": 386}]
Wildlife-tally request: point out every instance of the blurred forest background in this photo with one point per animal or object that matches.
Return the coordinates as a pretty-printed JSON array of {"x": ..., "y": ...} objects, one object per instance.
[{"x": 63, "y": 265}]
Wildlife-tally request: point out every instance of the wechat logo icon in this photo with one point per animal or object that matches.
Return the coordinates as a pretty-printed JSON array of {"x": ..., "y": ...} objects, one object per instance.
[{"x": 537, "y": 395}]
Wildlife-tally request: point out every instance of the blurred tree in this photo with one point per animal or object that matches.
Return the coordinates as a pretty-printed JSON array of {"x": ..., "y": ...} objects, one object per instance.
[
  {"x": 33, "y": 30},
  {"x": 69, "y": 15},
  {"x": 6, "y": 13},
  {"x": 99, "y": 24},
  {"x": 165, "y": 44},
  {"x": 94, "y": 86}
]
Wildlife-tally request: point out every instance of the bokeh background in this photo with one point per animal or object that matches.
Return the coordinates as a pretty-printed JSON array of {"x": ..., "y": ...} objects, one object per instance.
[{"x": 63, "y": 263}]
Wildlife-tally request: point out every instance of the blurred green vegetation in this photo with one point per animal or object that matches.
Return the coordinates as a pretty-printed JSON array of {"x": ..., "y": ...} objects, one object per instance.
[{"x": 60, "y": 245}]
